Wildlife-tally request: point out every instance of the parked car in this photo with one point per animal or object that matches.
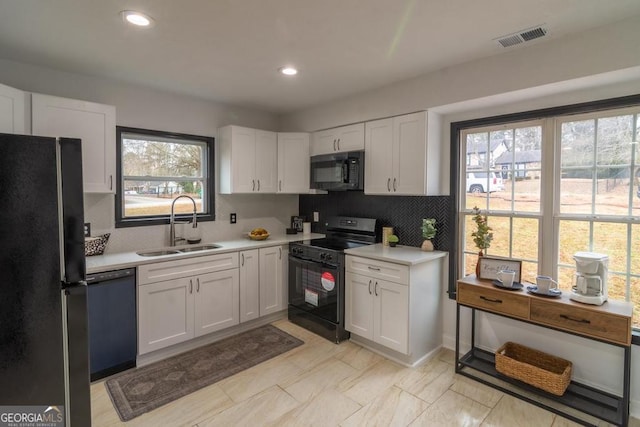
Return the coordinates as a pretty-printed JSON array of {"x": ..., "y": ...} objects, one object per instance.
[{"x": 477, "y": 182}]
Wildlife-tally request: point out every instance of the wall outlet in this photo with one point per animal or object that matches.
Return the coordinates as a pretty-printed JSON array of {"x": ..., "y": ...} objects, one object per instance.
[
  {"x": 87, "y": 229},
  {"x": 232, "y": 218},
  {"x": 316, "y": 216}
]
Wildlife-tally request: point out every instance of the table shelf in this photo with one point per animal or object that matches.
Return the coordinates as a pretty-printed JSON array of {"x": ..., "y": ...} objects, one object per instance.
[
  {"x": 578, "y": 396},
  {"x": 580, "y": 403}
]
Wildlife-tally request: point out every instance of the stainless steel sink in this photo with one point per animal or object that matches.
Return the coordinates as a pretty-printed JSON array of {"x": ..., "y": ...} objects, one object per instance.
[
  {"x": 158, "y": 253},
  {"x": 199, "y": 248}
]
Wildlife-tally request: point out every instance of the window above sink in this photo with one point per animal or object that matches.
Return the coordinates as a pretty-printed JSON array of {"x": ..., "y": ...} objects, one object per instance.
[{"x": 154, "y": 167}]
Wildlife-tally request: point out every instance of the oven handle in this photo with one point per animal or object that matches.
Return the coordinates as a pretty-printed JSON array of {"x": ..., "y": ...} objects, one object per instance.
[{"x": 307, "y": 261}]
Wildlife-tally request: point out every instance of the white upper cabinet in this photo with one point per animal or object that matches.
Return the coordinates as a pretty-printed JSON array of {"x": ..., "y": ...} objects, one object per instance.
[
  {"x": 338, "y": 140},
  {"x": 399, "y": 159},
  {"x": 293, "y": 162},
  {"x": 248, "y": 160},
  {"x": 13, "y": 110},
  {"x": 94, "y": 124}
]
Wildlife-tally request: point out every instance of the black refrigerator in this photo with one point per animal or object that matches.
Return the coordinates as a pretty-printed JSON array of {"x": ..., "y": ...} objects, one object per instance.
[{"x": 44, "y": 351}]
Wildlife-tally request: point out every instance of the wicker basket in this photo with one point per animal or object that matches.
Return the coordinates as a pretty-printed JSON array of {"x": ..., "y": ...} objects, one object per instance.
[{"x": 544, "y": 371}]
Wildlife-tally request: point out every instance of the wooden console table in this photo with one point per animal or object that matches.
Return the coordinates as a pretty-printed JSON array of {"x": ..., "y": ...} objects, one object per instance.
[{"x": 609, "y": 323}]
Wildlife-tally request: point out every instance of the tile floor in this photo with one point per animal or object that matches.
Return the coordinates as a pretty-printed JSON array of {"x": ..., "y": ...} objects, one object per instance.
[{"x": 323, "y": 384}]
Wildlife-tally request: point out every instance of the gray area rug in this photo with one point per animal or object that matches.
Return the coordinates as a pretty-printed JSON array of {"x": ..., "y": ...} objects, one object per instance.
[{"x": 143, "y": 389}]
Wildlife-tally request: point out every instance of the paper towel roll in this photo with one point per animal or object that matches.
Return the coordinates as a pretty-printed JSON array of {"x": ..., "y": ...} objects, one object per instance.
[
  {"x": 306, "y": 228},
  {"x": 386, "y": 231}
]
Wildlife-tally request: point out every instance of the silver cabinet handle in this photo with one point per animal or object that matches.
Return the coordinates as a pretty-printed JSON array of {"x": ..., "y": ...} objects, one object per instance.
[
  {"x": 190, "y": 286},
  {"x": 258, "y": 185},
  {"x": 338, "y": 144},
  {"x": 242, "y": 255},
  {"x": 375, "y": 289},
  {"x": 110, "y": 182},
  {"x": 394, "y": 185},
  {"x": 389, "y": 184},
  {"x": 374, "y": 268},
  {"x": 279, "y": 253},
  {"x": 253, "y": 182},
  {"x": 198, "y": 285},
  {"x": 280, "y": 185},
  {"x": 369, "y": 287},
  {"x": 334, "y": 145}
]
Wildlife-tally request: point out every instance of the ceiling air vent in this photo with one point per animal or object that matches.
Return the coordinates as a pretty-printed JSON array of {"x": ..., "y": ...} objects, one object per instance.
[{"x": 522, "y": 36}]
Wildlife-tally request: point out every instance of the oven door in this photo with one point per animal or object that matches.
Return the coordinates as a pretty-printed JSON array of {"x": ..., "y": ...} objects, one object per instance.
[{"x": 315, "y": 288}]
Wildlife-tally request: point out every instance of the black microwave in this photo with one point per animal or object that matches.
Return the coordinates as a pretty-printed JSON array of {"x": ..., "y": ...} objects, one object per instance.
[{"x": 338, "y": 171}]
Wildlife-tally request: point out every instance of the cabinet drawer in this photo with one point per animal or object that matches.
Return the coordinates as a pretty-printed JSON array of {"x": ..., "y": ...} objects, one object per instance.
[
  {"x": 150, "y": 273},
  {"x": 493, "y": 300},
  {"x": 379, "y": 269},
  {"x": 586, "y": 322}
]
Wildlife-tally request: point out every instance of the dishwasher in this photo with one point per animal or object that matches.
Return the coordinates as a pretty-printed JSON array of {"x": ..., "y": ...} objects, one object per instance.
[{"x": 113, "y": 343}]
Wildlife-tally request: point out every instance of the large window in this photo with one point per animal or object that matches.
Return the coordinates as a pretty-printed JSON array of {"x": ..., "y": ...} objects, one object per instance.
[
  {"x": 156, "y": 167},
  {"x": 553, "y": 187}
]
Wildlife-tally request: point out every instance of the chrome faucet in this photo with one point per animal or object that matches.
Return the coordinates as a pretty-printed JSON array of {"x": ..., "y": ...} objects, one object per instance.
[{"x": 173, "y": 240}]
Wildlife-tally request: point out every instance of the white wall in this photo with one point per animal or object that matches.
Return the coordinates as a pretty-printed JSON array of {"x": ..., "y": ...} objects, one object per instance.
[
  {"x": 141, "y": 107},
  {"x": 601, "y": 64}
]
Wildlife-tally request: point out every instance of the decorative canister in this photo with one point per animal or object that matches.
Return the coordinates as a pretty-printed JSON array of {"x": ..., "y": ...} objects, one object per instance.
[{"x": 386, "y": 231}]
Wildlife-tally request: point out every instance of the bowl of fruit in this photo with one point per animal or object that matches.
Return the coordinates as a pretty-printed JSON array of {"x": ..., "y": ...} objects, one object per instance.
[{"x": 258, "y": 234}]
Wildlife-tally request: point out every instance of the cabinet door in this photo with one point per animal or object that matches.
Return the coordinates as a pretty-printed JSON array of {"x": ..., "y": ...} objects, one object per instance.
[
  {"x": 165, "y": 314},
  {"x": 391, "y": 315},
  {"x": 271, "y": 289},
  {"x": 216, "y": 301},
  {"x": 378, "y": 165},
  {"x": 409, "y": 154},
  {"x": 359, "y": 304},
  {"x": 13, "y": 110},
  {"x": 350, "y": 138},
  {"x": 243, "y": 159},
  {"x": 323, "y": 142},
  {"x": 266, "y": 160},
  {"x": 249, "y": 285},
  {"x": 94, "y": 124},
  {"x": 293, "y": 163}
]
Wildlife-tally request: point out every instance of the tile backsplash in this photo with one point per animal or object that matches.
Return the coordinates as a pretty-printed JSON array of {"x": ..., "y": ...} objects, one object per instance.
[{"x": 403, "y": 213}]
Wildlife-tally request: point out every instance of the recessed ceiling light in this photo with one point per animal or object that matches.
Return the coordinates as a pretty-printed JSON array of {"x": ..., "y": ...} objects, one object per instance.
[
  {"x": 136, "y": 18},
  {"x": 288, "y": 71}
]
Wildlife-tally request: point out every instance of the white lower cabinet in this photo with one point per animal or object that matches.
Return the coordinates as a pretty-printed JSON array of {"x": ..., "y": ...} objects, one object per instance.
[
  {"x": 378, "y": 310},
  {"x": 165, "y": 314},
  {"x": 186, "y": 305},
  {"x": 272, "y": 284},
  {"x": 395, "y": 306},
  {"x": 216, "y": 301},
  {"x": 262, "y": 282},
  {"x": 249, "y": 285}
]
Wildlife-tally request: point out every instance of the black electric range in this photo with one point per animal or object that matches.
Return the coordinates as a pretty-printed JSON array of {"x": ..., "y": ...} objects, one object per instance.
[{"x": 316, "y": 275}]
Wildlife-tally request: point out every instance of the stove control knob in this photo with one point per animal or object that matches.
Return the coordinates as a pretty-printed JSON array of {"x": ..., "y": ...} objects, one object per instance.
[
  {"x": 323, "y": 255},
  {"x": 328, "y": 257}
]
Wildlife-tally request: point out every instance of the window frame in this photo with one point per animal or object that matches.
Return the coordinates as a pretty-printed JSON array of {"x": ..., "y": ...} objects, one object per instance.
[
  {"x": 138, "y": 221},
  {"x": 456, "y": 168}
]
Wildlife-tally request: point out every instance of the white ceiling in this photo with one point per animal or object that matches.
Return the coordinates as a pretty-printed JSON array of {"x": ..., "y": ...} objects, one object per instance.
[{"x": 229, "y": 50}]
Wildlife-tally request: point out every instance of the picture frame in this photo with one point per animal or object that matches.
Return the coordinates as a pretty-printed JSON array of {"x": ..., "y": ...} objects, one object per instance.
[
  {"x": 489, "y": 267},
  {"x": 296, "y": 222}
]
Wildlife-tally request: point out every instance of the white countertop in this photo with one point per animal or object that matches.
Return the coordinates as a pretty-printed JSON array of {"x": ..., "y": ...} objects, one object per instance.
[
  {"x": 116, "y": 261},
  {"x": 407, "y": 255}
]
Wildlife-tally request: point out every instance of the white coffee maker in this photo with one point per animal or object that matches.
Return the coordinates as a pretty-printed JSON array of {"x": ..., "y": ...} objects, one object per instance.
[{"x": 592, "y": 271}]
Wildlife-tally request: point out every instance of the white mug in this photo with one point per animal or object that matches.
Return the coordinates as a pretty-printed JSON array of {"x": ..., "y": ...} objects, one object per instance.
[
  {"x": 506, "y": 277},
  {"x": 545, "y": 283}
]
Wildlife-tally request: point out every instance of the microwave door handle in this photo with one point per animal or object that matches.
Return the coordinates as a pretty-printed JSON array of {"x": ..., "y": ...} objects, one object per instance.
[{"x": 345, "y": 173}]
